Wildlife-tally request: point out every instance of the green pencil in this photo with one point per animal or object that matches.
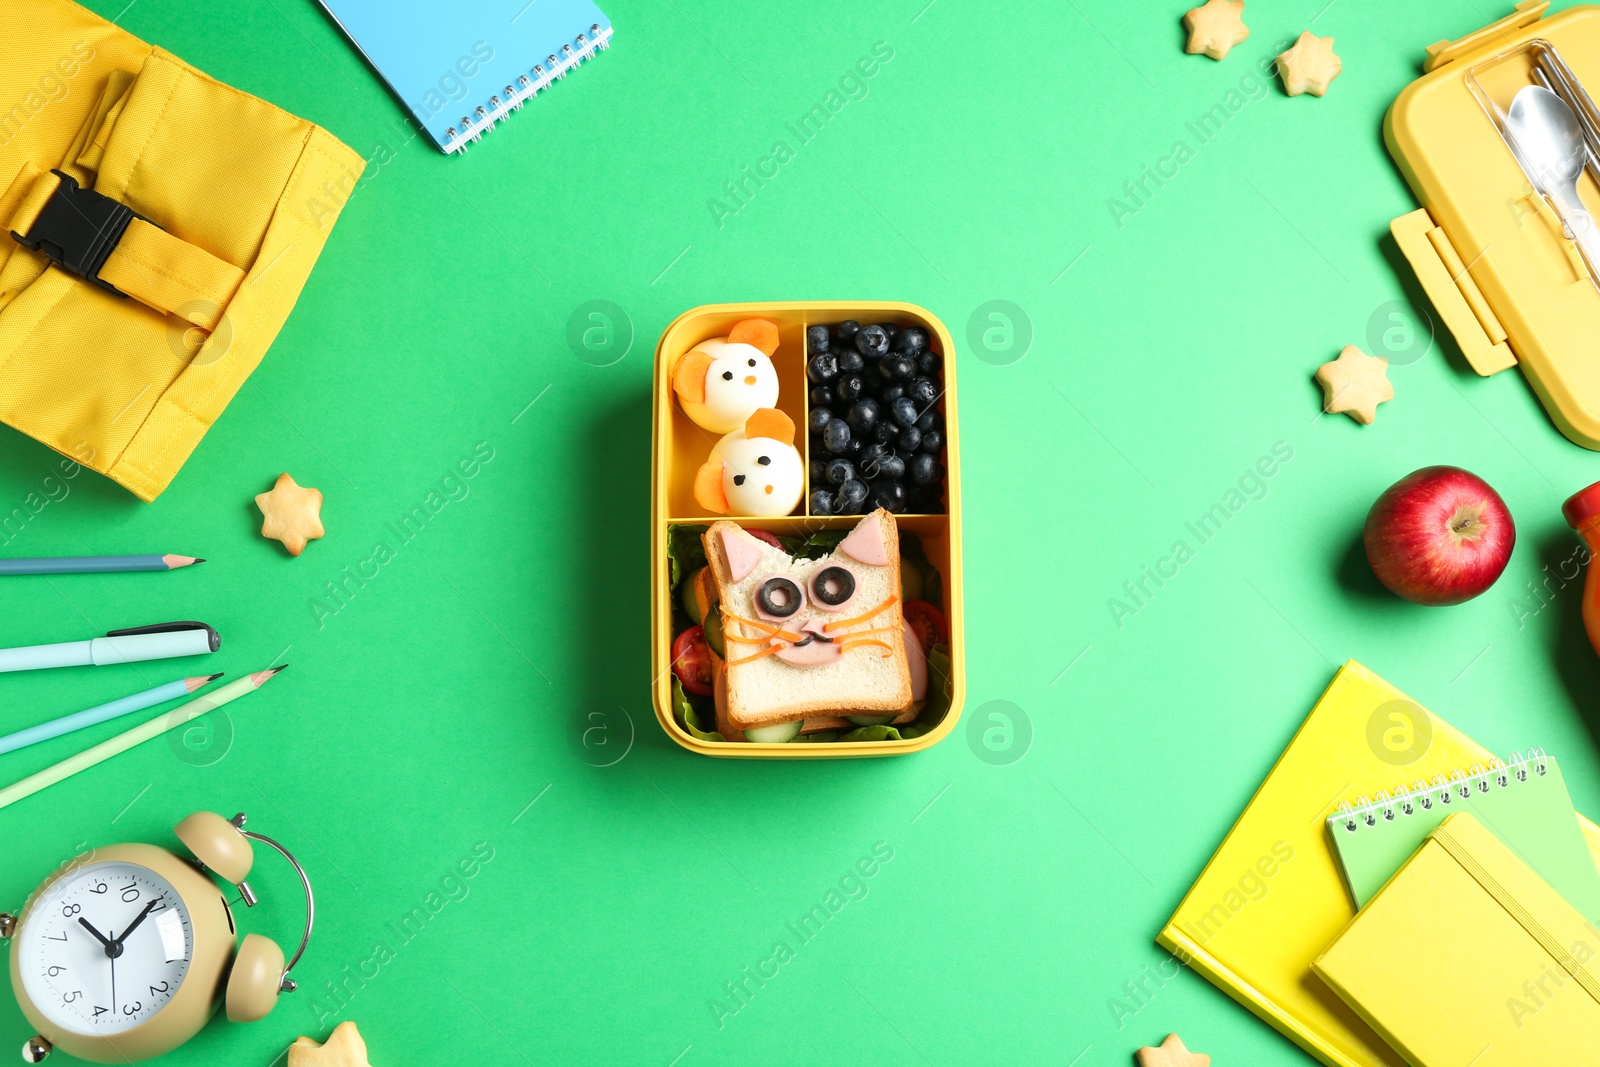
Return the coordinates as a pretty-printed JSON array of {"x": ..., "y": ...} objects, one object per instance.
[{"x": 119, "y": 744}]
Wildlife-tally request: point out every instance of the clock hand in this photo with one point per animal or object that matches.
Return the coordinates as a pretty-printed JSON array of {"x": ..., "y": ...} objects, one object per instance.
[
  {"x": 98, "y": 936},
  {"x": 148, "y": 908}
]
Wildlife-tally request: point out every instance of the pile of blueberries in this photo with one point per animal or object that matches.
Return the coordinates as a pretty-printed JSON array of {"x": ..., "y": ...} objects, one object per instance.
[{"x": 876, "y": 432}]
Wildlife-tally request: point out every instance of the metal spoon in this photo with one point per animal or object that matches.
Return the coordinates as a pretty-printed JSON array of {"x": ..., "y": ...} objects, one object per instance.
[
  {"x": 1549, "y": 138},
  {"x": 1551, "y": 143}
]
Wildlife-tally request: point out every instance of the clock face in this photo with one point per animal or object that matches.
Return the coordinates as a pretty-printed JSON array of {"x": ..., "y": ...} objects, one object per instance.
[{"x": 106, "y": 947}]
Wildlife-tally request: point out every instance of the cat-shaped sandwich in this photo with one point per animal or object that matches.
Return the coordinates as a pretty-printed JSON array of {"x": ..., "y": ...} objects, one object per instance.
[{"x": 812, "y": 638}]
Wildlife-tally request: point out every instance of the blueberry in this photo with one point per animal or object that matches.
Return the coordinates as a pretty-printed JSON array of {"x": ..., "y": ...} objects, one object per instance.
[
  {"x": 851, "y": 447},
  {"x": 816, "y": 339},
  {"x": 863, "y": 415},
  {"x": 904, "y": 367},
  {"x": 848, "y": 388},
  {"x": 823, "y": 368},
  {"x": 885, "y": 431},
  {"x": 846, "y": 331},
  {"x": 910, "y": 439},
  {"x": 818, "y": 470},
  {"x": 912, "y": 341},
  {"x": 872, "y": 342},
  {"x": 892, "y": 467},
  {"x": 905, "y": 411},
  {"x": 928, "y": 420},
  {"x": 927, "y": 363},
  {"x": 821, "y": 502},
  {"x": 924, "y": 469},
  {"x": 923, "y": 391},
  {"x": 852, "y": 495},
  {"x": 932, "y": 442},
  {"x": 821, "y": 396},
  {"x": 836, "y": 438},
  {"x": 889, "y": 495},
  {"x": 890, "y": 393},
  {"x": 850, "y": 361},
  {"x": 885, "y": 372},
  {"x": 869, "y": 462},
  {"x": 892, "y": 330},
  {"x": 840, "y": 471},
  {"x": 820, "y": 417}
]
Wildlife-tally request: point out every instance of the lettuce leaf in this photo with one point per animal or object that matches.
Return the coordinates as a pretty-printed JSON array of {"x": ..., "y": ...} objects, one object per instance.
[
  {"x": 686, "y": 553},
  {"x": 817, "y": 545},
  {"x": 689, "y": 717},
  {"x": 872, "y": 733},
  {"x": 818, "y": 738}
]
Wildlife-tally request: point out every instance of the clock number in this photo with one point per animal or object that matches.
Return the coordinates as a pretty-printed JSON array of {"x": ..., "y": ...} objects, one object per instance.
[
  {"x": 54, "y": 971},
  {"x": 69, "y": 910},
  {"x": 68, "y": 998},
  {"x": 98, "y": 888},
  {"x": 99, "y": 1011},
  {"x": 156, "y": 991},
  {"x": 133, "y": 1009},
  {"x": 130, "y": 893}
]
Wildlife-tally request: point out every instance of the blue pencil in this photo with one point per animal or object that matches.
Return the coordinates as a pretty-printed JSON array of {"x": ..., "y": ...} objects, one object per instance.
[
  {"x": 105, "y": 712},
  {"x": 96, "y": 564}
]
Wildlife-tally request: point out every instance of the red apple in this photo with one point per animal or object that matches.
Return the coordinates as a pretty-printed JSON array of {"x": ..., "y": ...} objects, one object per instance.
[{"x": 1438, "y": 536}]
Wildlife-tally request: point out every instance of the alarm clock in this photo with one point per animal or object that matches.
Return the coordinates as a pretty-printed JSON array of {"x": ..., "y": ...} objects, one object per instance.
[{"x": 125, "y": 952}]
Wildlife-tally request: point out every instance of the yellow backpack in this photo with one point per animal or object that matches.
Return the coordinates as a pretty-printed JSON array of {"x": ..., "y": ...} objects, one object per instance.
[{"x": 161, "y": 227}]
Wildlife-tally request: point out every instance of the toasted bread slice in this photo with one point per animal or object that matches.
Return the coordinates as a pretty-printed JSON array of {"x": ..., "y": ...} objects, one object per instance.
[{"x": 810, "y": 659}]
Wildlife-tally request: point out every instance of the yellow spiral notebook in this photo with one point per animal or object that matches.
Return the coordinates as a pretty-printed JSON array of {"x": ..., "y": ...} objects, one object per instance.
[
  {"x": 1468, "y": 957},
  {"x": 1273, "y": 896}
]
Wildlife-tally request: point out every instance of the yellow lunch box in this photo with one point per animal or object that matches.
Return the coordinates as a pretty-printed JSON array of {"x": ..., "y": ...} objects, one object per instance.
[
  {"x": 1487, "y": 248},
  {"x": 680, "y": 447}
]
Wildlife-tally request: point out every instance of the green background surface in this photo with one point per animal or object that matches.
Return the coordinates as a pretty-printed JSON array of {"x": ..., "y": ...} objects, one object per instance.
[{"x": 1169, "y": 352}]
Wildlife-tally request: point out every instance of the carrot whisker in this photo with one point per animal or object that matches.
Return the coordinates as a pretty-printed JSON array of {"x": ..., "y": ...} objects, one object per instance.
[
  {"x": 848, "y": 645},
  {"x": 769, "y": 650},
  {"x": 842, "y": 623},
  {"x": 763, "y": 627}
]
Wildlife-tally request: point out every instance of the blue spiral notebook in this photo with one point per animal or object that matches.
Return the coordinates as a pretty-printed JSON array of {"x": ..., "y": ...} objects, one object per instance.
[{"x": 460, "y": 66}]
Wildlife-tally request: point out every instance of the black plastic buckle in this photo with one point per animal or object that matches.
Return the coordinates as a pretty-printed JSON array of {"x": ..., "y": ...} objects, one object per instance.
[{"x": 79, "y": 229}]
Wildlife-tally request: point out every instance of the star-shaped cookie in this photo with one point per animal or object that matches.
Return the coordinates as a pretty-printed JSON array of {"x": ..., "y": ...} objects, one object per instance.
[
  {"x": 1309, "y": 65},
  {"x": 1355, "y": 384},
  {"x": 1215, "y": 27},
  {"x": 1170, "y": 1054},
  {"x": 291, "y": 514},
  {"x": 344, "y": 1048}
]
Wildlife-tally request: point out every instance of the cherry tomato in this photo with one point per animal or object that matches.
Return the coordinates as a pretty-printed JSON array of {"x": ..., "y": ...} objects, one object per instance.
[
  {"x": 691, "y": 661},
  {"x": 766, "y": 535},
  {"x": 926, "y": 621}
]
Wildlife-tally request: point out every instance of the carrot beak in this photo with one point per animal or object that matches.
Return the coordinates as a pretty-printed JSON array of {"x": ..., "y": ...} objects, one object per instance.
[
  {"x": 749, "y": 379},
  {"x": 769, "y": 490}
]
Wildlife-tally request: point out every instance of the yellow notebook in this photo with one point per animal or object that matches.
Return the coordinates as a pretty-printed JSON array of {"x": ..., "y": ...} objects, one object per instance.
[
  {"x": 1272, "y": 898},
  {"x": 1467, "y": 956}
]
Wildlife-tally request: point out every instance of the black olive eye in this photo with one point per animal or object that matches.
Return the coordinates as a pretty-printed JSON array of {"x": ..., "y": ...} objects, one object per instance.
[
  {"x": 738, "y": 479},
  {"x": 779, "y": 597},
  {"x": 752, "y": 362},
  {"x": 764, "y": 460},
  {"x": 833, "y": 586},
  {"x": 727, "y": 375}
]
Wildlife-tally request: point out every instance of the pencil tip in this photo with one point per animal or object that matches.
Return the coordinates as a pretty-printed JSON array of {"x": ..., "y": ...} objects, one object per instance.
[
  {"x": 279, "y": 668},
  {"x": 214, "y": 677},
  {"x": 200, "y": 559}
]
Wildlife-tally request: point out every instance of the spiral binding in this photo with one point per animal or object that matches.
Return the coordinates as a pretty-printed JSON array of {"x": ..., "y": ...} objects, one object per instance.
[
  {"x": 1442, "y": 790},
  {"x": 483, "y": 118}
]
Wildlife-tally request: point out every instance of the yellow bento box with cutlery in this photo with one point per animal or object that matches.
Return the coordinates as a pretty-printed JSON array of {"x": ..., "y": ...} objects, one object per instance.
[{"x": 1500, "y": 141}]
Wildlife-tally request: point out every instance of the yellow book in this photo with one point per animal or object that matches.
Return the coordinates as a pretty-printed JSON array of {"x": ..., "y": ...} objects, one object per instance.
[
  {"x": 1272, "y": 898},
  {"x": 1467, "y": 956}
]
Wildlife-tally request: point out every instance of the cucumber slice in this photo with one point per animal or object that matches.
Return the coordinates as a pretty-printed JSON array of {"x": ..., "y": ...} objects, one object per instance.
[
  {"x": 871, "y": 720},
  {"x": 713, "y": 627},
  {"x": 774, "y": 735},
  {"x": 686, "y": 598}
]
